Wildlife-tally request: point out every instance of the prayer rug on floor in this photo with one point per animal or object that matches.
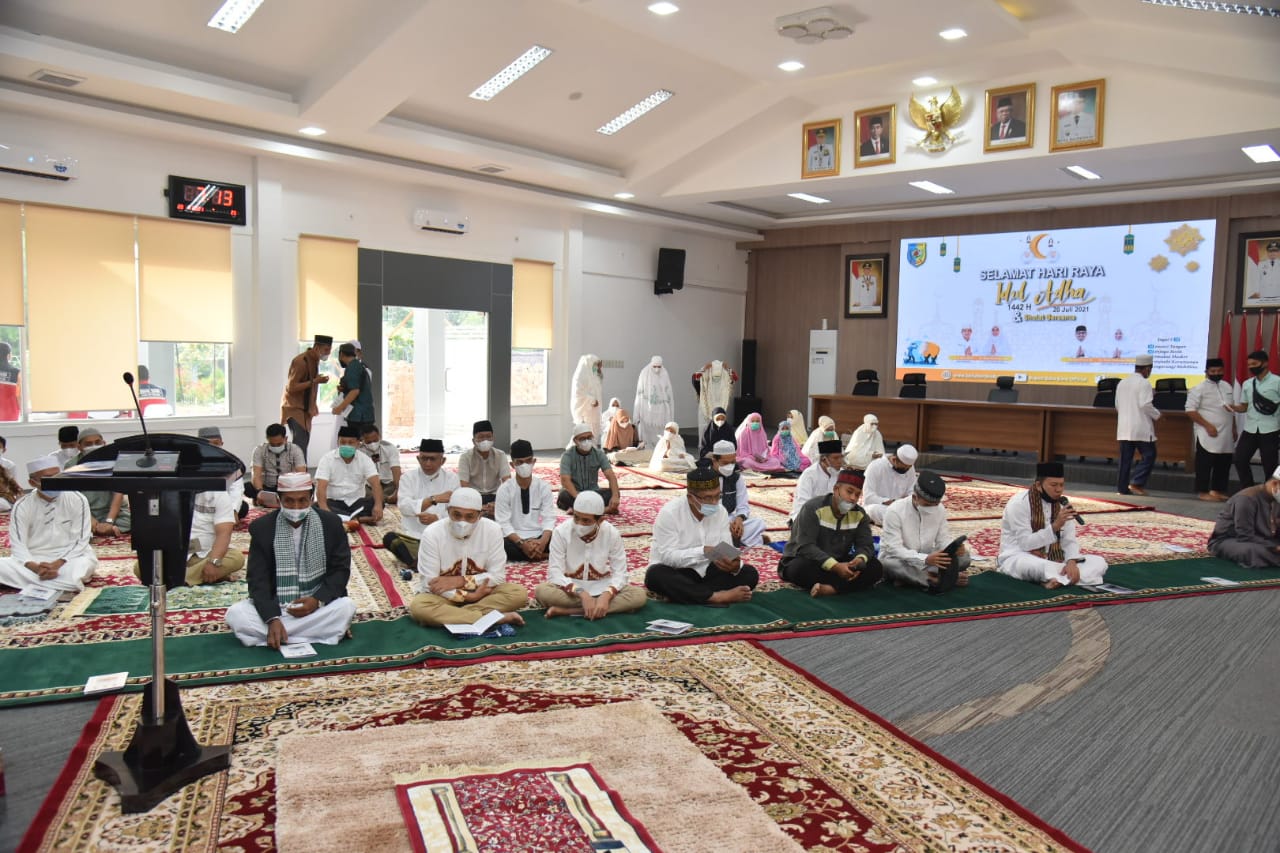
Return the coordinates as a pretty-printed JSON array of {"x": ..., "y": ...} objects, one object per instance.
[{"x": 825, "y": 772}]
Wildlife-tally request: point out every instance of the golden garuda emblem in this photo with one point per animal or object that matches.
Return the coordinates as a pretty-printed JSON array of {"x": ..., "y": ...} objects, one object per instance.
[{"x": 936, "y": 120}]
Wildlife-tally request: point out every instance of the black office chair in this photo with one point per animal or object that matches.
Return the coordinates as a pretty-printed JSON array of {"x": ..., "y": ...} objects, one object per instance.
[
  {"x": 1105, "y": 398},
  {"x": 868, "y": 384},
  {"x": 912, "y": 386},
  {"x": 1170, "y": 394},
  {"x": 1004, "y": 392}
]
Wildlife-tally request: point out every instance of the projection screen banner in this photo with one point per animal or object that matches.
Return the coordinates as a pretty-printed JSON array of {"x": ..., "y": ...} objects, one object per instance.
[{"x": 1062, "y": 307}]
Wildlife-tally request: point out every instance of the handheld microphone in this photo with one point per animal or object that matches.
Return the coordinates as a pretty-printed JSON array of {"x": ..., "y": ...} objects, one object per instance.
[
  {"x": 149, "y": 459},
  {"x": 1062, "y": 501}
]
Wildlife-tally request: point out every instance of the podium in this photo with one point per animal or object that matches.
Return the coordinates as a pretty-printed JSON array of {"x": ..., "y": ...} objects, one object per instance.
[{"x": 163, "y": 755}]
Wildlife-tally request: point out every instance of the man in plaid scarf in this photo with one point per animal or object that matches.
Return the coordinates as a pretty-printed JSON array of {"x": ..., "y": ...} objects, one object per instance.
[{"x": 1038, "y": 535}]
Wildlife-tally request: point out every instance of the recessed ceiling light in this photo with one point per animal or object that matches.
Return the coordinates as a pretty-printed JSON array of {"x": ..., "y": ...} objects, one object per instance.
[
  {"x": 624, "y": 196},
  {"x": 1082, "y": 172},
  {"x": 924, "y": 81},
  {"x": 813, "y": 199},
  {"x": 663, "y": 8},
  {"x": 312, "y": 130},
  {"x": 233, "y": 14},
  {"x": 513, "y": 72},
  {"x": 620, "y": 121},
  {"x": 1212, "y": 6},
  {"x": 953, "y": 34},
  {"x": 791, "y": 65},
  {"x": 930, "y": 186},
  {"x": 1261, "y": 153}
]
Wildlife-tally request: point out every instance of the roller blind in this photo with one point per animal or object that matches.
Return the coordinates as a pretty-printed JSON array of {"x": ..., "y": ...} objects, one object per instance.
[
  {"x": 532, "y": 304},
  {"x": 11, "y": 264},
  {"x": 327, "y": 286},
  {"x": 184, "y": 285},
  {"x": 82, "y": 331}
]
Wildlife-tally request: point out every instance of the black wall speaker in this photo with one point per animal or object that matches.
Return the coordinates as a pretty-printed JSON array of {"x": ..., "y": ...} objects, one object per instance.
[
  {"x": 748, "y": 372},
  {"x": 670, "y": 271}
]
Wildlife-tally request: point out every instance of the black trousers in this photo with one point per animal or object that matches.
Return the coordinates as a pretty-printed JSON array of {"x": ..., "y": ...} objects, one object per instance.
[
  {"x": 514, "y": 554},
  {"x": 1213, "y": 470},
  {"x": 301, "y": 435},
  {"x": 565, "y": 500},
  {"x": 683, "y": 586},
  {"x": 1267, "y": 443},
  {"x": 805, "y": 573},
  {"x": 364, "y": 506}
]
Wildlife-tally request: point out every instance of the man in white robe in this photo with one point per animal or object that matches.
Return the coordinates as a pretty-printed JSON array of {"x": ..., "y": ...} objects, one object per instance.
[
  {"x": 1038, "y": 535},
  {"x": 1136, "y": 418},
  {"x": 915, "y": 537},
  {"x": 747, "y": 531},
  {"x": 1209, "y": 408},
  {"x": 818, "y": 479},
  {"x": 887, "y": 479},
  {"x": 422, "y": 500},
  {"x": 588, "y": 389},
  {"x": 587, "y": 571},
  {"x": 655, "y": 402},
  {"x": 49, "y": 536}
]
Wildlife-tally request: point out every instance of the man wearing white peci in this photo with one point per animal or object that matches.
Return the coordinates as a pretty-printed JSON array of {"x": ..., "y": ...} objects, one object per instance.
[{"x": 49, "y": 536}]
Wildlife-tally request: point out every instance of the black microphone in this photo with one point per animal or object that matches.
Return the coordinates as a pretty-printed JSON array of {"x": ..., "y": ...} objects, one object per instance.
[
  {"x": 1062, "y": 501},
  {"x": 149, "y": 458}
]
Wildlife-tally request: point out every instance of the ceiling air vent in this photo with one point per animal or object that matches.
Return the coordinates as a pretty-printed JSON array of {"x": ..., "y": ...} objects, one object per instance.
[
  {"x": 57, "y": 78},
  {"x": 491, "y": 169}
]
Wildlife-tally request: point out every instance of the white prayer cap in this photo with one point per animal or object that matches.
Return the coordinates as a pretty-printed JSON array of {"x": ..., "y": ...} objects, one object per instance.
[
  {"x": 294, "y": 481},
  {"x": 589, "y": 502},
  {"x": 1143, "y": 361},
  {"x": 869, "y": 418},
  {"x": 906, "y": 454},
  {"x": 724, "y": 447},
  {"x": 579, "y": 429},
  {"x": 44, "y": 463},
  {"x": 672, "y": 425},
  {"x": 466, "y": 498},
  {"x": 355, "y": 344},
  {"x": 1275, "y": 475}
]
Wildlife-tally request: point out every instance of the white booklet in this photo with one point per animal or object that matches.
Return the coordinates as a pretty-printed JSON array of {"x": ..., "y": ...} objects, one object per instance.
[
  {"x": 297, "y": 650},
  {"x": 39, "y": 592},
  {"x": 669, "y": 626},
  {"x": 1220, "y": 581},
  {"x": 475, "y": 629},
  {"x": 106, "y": 683},
  {"x": 725, "y": 551}
]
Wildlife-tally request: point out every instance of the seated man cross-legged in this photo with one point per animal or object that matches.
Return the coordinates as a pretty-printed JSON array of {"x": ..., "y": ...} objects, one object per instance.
[
  {"x": 48, "y": 536},
  {"x": 1038, "y": 535},
  {"x": 210, "y": 557},
  {"x": 299, "y": 564},
  {"x": 818, "y": 480},
  {"x": 887, "y": 479},
  {"x": 525, "y": 508},
  {"x": 831, "y": 549},
  {"x": 1245, "y": 530},
  {"x": 747, "y": 531},
  {"x": 913, "y": 546},
  {"x": 423, "y": 500},
  {"x": 272, "y": 458},
  {"x": 580, "y": 469},
  {"x": 341, "y": 479},
  {"x": 483, "y": 468},
  {"x": 588, "y": 568}
]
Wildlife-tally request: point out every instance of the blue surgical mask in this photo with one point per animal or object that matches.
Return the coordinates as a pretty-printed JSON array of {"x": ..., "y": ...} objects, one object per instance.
[{"x": 708, "y": 509}]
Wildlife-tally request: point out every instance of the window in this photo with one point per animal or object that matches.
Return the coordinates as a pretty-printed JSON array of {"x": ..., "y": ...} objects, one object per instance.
[
  {"x": 528, "y": 377},
  {"x": 532, "y": 322}
]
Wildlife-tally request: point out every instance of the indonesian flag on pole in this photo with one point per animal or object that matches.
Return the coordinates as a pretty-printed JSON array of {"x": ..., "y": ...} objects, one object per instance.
[
  {"x": 1257, "y": 334},
  {"x": 1224, "y": 348},
  {"x": 1242, "y": 355},
  {"x": 1274, "y": 351}
]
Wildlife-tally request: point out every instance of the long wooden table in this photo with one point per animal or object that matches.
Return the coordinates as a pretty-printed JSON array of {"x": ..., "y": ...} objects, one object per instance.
[{"x": 1043, "y": 429}]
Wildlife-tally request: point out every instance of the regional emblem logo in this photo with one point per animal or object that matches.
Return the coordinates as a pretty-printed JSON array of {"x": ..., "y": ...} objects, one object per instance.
[{"x": 916, "y": 253}]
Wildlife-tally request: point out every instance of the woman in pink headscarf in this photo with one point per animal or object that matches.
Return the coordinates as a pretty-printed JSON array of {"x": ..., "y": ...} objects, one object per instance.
[
  {"x": 786, "y": 449},
  {"x": 753, "y": 446}
]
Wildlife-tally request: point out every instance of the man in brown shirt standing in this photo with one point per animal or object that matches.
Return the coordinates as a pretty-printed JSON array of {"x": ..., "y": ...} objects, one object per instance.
[{"x": 298, "y": 404}]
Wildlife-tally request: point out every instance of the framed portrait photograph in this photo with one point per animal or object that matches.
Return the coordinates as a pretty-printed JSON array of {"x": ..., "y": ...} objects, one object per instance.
[
  {"x": 866, "y": 290},
  {"x": 873, "y": 136},
  {"x": 820, "y": 149},
  {"x": 1258, "y": 270},
  {"x": 1011, "y": 118},
  {"x": 1078, "y": 110}
]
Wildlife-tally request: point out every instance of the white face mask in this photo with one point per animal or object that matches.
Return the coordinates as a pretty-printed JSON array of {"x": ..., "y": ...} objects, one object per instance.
[
  {"x": 843, "y": 507},
  {"x": 584, "y": 530},
  {"x": 726, "y": 470},
  {"x": 586, "y": 444},
  {"x": 277, "y": 448},
  {"x": 719, "y": 421},
  {"x": 524, "y": 469},
  {"x": 708, "y": 509},
  {"x": 484, "y": 446},
  {"x": 295, "y": 515},
  {"x": 461, "y": 529}
]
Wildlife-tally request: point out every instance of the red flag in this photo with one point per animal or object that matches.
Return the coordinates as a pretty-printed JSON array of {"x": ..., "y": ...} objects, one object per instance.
[
  {"x": 1242, "y": 353},
  {"x": 1257, "y": 334},
  {"x": 1224, "y": 348},
  {"x": 1275, "y": 339}
]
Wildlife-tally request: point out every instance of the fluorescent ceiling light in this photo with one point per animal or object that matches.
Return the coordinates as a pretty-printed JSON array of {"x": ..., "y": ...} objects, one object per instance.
[
  {"x": 312, "y": 130},
  {"x": 930, "y": 186},
  {"x": 663, "y": 8},
  {"x": 953, "y": 34},
  {"x": 810, "y": 198},
  {"x": 1261, "y": 153},
  {"x": 791, "y": 65},
  {"x": 621, "y": 121},
  {"x": 1212, "y": 6},
  {"x": 1082, "y": 172},
  {"x": 624, "y": 196},
  {"x": 233, "y": 14},
  {"x": 513, "y": 72},
  {"x": 924, "y": 81}
]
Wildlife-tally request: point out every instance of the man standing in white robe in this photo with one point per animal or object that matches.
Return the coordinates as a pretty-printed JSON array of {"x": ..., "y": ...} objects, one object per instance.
[
  {"x": 588, "y": 389},
  {"x": 818, "y": 479},
  {"x": 655, "y": 403},
  {"x": 1136, "y": 418},
  {"x": 915, "y": 536},
  {"x": 1038, "y": 535},
  {"x": 887, "y": 479},
  {"x": 49, "y": 536}
]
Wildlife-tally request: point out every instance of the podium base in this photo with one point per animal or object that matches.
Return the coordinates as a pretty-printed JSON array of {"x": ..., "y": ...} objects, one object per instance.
[{"x": 161, "y": 758}]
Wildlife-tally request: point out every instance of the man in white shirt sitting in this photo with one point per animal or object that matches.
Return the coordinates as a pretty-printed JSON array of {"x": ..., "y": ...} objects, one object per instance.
[
  {"x": 235, "y": 488},
  {"x": 48, "y": 536},
  {"x": 423, "y": 500},
  {"x": 818, "y": 479},
  {"x": 385, "y": 456},
  {"x": 747, "y": 531},
  {"x": 524, "y": 508},
  {"x": 341, "y": 479},
  {"x": 587, "y": 574},
  {"x": 887, "y": 479},
  {"x": 915, "y": 538},
  {"x": 462, "y": 570}
]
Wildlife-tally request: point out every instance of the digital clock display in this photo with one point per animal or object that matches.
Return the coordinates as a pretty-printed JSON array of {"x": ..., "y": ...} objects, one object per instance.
[{"x": 206, "y": 201}]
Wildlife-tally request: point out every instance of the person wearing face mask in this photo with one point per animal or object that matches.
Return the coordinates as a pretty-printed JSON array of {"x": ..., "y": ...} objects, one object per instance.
[
  {"x": 1038, "y": 535},
  {"x": 622, "y": 441},
  {"x": 49, "y": 536},
  {"x": 865, "y": 444},
  {"x": 820, "y": 479},
  {"x": 580, "y": 469},
  {"x": 482, "y": 467},
  {"x": 588, "y": 389},
  {"x": 298, "y": 568},
  {"x": 753, "y": 446},
  {"x": 786, "y": 449},
  {"x": 655, "y": 402},
  {"x": 462, "y": 570},
  {"x": 913, "y": 546},
  {"x": 683, "y": 565},
  {"x": 298, "y": 403},
  {"x": 1136, "y": 418},
  {"x": 424, "y": 496},
  {"x": 747, "y": 532},
  {"x": 341, "y": 479},
  {"x": 356, "y": 388},
  {"x": 831, "y": 550},
  {"x": 587, "y": 572},
  {"x": 236, "y": 488},
  {"x": 669, "y": 454},
  {"x": 887, "y": 479},
  {"x": 1245, "y": 530},
  {"x": 272, "y": 458},
  {"x": 110, "y": 510},
  {"x": 68, "y": 445},
  {"x": 385, "y": 456},
  {"x": 525, "y": 509},
  {"x": 1209, "y": 407},
  {"x": 826, "y": 431},
  {"x": 718, "y": 429},
  {"x": 1260, "y": 401}
]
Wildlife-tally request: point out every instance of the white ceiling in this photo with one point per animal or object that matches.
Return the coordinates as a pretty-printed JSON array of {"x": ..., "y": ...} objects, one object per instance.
[{"x": 392, "y": 77}]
